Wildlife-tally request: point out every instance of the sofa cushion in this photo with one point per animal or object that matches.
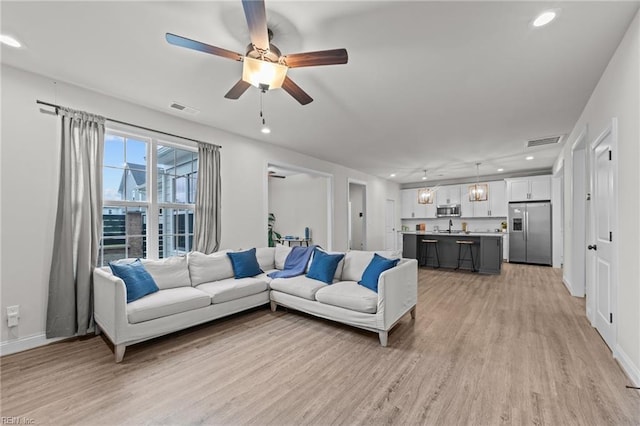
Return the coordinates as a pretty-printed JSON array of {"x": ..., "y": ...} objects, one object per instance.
[
  {"x": 245, "y": 263},
  {"x": 170, "y": 272},
  {"x": 355, "y": 262},
  {"x": 204, "y": 268},
  {"x": 280, "y": 255},
  {"x": 232, "y": 288},
  {"x": 265, "y": 276},
  {"x": 137, "y": 280},
  {"x": 266, "y": 257},
  {"x": 324, "y": 265},
  {"x": 166, "y": 302},
  {"x": 300, "y": 286},
  {"x": 349, "y": 295},
  {"x": 376, "y": 267}
]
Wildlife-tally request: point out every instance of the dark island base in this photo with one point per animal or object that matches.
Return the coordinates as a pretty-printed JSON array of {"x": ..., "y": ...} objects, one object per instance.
[{"x": 487, "y": 251}]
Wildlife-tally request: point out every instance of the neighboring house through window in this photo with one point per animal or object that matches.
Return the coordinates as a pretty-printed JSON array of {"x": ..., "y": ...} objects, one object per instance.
[{"x": 141, "y": 220}]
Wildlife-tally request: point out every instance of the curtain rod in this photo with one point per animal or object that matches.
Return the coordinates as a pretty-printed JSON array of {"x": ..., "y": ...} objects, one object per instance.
[{"x": 133, "y": 125}]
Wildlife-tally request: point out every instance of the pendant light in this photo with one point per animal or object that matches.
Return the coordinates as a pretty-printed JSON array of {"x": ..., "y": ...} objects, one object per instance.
[
  {"x": 478, "y": 191},
  {"x": 425, "y": 195}
]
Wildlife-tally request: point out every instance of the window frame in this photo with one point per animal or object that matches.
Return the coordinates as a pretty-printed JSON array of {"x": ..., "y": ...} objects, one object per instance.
[{"x": 152, "y": 205}]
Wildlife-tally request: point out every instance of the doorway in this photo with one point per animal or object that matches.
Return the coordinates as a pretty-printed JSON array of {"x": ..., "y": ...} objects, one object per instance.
[
  {"x": 603, "y": 236},
  {"x": 298, "y": 205},
  {"x": 357, "y": 215}
]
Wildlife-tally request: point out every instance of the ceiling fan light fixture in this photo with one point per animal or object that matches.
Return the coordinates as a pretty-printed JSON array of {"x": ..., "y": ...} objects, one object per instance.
[{"x": 263, "y": 74}]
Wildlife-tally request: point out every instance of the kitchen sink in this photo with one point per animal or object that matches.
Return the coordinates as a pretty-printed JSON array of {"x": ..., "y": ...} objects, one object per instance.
[{"x": 453, "y": 231}]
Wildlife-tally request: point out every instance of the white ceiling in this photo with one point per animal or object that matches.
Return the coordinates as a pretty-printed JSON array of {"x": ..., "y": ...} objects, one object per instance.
[{"x": 435, "y": 85}]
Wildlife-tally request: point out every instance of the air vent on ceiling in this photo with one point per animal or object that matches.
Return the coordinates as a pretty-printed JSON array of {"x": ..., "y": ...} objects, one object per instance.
[
  {"x": 544, "y": 141},
  {"x": 184, "y": 108}
]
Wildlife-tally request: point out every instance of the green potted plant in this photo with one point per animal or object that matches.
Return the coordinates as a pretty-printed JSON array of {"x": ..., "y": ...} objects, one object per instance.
[{"x": 273, "y": 236}]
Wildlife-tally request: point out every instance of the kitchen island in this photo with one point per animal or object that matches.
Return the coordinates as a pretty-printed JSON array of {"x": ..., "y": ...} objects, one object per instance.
[{"x": 487, "y": 249}]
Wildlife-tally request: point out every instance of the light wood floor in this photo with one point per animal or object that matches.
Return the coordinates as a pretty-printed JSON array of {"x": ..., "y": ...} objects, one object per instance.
[{"x": 484, "y": 350}]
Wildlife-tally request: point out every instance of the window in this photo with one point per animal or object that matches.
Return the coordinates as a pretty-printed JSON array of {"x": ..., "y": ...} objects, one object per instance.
[{"x": 141, "y": 220}]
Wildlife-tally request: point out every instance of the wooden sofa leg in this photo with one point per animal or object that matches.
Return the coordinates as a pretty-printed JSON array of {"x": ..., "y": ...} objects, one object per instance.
[
  {"x": 274, "y": 306},
  {"x": 383, "y": 338},
  {"x": 119, "y": 352},
  {"x": 413, "y": 313}
]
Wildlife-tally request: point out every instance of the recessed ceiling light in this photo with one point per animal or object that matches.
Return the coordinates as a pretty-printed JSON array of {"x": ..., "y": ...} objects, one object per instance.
[
  {"x": 424, "y": 178},
  {"x": 501, "y": 170},
  {"x": 9, "y": 41},
  {"x": 544, "y": 18},
  {"x": 265, "y": 130},
  {"x": 392, "y": 175},
  {"x": 529, "y": 158}
]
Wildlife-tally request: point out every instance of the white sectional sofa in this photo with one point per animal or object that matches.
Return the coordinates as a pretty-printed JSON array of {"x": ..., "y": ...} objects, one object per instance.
[{"x": 199, "y": 288}]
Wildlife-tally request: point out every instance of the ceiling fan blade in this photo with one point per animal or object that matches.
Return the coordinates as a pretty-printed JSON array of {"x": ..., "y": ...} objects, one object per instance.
[
  {"x": 237, "y": 90},
  {"x": 311, "y": 59},
  {"x": 256, "y": 15},
  {"x": 177, "y": 40},
  {"x": 294, "y": 90}
]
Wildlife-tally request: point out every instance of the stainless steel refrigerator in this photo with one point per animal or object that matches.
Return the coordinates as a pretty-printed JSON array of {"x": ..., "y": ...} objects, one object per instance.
[{"x": 530, "y": 232}]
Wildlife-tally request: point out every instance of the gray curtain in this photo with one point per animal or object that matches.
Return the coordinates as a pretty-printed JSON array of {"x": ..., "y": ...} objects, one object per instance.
[
  {"x": 78, "y": 224},
  {"x": 206, "y": 234}
]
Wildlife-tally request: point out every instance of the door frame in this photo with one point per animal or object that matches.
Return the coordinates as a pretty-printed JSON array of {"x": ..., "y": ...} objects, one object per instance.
[
  {"x": 573, "y": 279},
  {"x": 364, "y": 211},
  {"x": 265, "y": 191},
  {"x": 611, "y": 129}
]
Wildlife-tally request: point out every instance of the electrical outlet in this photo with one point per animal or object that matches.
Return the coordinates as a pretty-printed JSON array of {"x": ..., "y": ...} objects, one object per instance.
[{"x": 13, "y": 315}]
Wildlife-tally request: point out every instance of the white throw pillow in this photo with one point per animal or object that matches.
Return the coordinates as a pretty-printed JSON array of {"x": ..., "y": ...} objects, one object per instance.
[
  {"x": 281, "y": 253},
  {"x": 170, "y": 272},
  {"x": 205, "y": 268},
  {"x": 266, "y": 257}
]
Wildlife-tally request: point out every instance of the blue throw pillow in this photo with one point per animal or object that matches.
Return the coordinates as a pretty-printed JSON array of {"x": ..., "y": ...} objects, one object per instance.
[
  {"x": 136, "y": 279},
  {"x": 323, "y": 266},
  {"x": 377, "y": 266},
  {"x": 245, "y": 264}
]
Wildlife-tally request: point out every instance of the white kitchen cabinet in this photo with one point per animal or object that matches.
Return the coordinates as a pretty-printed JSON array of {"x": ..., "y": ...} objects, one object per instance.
[
  {"x": 532, "y": 188},
  {"x": 411, "y": 209},
  {"x": 494, "y": 206},
  {"x": 448, "y": 194},
  {"x": 498, "y": 199}
]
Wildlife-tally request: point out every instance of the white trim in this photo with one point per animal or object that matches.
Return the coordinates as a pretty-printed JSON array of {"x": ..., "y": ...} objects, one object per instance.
[
  {"x": 25, "y": 343},
  {"x": 632, "y": 370},
  {"x": 265, "y": 191},
  {"x": 567, "y": 284},
  {"x": 580, "y": 144}
]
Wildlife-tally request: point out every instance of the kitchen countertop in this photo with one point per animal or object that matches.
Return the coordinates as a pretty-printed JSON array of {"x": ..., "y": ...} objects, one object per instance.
[{"x": 454, "y": 234}]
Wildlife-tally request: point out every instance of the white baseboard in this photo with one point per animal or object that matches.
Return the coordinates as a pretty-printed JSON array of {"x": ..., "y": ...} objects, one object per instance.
[
  {"x": 628, "y": 366},
  {"x": 25, "y": 343},
  {"x": 567, "y": 284}
]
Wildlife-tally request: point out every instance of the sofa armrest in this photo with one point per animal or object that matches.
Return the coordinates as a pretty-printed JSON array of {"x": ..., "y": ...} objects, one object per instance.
[
  {"x": 397, "y": 291},
  {"x": 110, "y": 303}
]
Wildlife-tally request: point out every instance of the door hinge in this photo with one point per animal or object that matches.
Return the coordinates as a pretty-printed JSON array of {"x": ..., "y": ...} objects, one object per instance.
[
  {"x": 610, "y": 236},
  {"x": 609, "y": 155},
  {"x": 610, "y": 318}
]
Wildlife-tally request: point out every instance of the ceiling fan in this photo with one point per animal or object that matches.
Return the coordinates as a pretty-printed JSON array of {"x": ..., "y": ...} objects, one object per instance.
[{"x": 263, "y": 64}]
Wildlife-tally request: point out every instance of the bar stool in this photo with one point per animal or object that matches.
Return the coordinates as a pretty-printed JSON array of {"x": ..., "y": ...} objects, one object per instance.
[
  {"x": 425, "y": 253},
  {"x": 461, "y": 258}
]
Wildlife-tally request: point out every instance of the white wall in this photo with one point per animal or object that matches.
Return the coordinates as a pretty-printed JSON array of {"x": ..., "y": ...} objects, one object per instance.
[
  {"x": 29, "y": 172},
  {"x": 297, "y": 202},
  {"x": 618, "y": 95}
]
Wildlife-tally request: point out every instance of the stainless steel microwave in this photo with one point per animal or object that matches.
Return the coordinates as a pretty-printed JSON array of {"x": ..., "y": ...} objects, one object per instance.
[{"x": 449, "y": 210}]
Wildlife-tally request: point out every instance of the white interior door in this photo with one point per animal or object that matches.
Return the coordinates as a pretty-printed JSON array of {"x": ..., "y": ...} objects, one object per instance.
[
  {"x": 389, "y": 226},
  {"x": 601, "y": 247}
]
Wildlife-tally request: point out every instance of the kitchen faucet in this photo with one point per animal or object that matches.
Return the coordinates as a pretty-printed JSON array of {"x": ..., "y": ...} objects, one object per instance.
[{"x": 450, "y": 225}]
